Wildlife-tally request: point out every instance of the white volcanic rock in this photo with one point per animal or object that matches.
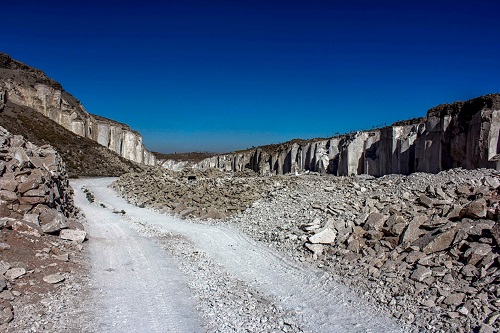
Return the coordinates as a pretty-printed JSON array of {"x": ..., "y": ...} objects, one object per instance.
[
  {"x": 73, "y": 235},
  {"x": 423, "y": 145},
  {"x": 325, "y": 236},
  {"x": 26, "y": 86},
  {"x": 53, "y": 278}
]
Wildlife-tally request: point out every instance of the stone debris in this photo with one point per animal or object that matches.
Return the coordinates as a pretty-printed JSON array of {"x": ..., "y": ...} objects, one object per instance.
[
  {"x": 73, "y": 235},
  {"x": 53, "y": 278},
  {"x": 212, "y": 194},
  {"x": 42, "y": 194},
  {"x": 424, "y": 246},
  {"x": 14, "y": 273},
  {"x": 325, "y": 236},
  {"x": 36, "y": 206}
]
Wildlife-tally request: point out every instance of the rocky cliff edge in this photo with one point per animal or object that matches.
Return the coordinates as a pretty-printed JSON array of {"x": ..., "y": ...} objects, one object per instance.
[{"x": 26, "y": 86}]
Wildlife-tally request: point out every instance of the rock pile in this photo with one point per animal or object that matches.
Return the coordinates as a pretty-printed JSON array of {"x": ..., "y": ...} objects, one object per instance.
[
  {"x": 425, "y": 245},
  {"x": 36, "y": 204},
  {"x": 34, "y": 187},
  {"x": 201, "y": 194}
]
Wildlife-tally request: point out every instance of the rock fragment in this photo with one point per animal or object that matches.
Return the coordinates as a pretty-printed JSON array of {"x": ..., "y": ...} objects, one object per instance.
[
  {"x": 14, "y": 273},
  {"x": 325, "y": 236},
  {"x": 73, "y": 235},
  {"x": 53, "y": 278},
  {"x": 421, "y": 273}
]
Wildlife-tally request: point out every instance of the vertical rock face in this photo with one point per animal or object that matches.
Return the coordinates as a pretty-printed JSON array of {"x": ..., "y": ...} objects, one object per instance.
[
  {"x": 462, "y": 134},
  {"x": 27, "y": 86}
]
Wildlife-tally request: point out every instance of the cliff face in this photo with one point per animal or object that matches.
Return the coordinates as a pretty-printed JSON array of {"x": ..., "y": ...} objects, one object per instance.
[
  {"x": 462, "y": 134},
  {"x": 27, "y": 86}
]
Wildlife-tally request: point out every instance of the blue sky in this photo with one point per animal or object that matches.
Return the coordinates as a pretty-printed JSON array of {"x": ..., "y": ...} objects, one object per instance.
[{"x": 225, "y": 75}]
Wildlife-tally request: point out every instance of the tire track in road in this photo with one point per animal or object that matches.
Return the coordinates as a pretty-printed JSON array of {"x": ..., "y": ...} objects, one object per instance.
[{"x": 138, "y": 288}]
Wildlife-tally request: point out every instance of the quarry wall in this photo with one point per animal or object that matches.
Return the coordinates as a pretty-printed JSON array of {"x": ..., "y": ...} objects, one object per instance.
[
  {"x": 462, "y": 134},
  {"x": 27, "y": 86}
]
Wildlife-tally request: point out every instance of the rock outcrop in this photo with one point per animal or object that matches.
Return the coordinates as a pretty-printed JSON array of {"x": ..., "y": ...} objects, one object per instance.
[
  {"x": 26, "y": 86},
  {"x": 462, "y": 134}
]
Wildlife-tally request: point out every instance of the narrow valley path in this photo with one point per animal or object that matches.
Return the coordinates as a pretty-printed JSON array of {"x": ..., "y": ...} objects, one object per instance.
[{"x": 152, "y": 272}]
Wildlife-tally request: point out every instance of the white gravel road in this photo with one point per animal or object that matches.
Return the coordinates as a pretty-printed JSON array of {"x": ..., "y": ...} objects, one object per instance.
[{"x": 154, "y": 273}]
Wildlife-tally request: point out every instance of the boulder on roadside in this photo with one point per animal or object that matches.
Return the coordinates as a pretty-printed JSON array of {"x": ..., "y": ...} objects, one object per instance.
[
  {"x": 27, "y": 228},
  {"x": 316, "y": 249},
  {"x": 52, "y": 221},
  {"x": 14, "y": 273}
]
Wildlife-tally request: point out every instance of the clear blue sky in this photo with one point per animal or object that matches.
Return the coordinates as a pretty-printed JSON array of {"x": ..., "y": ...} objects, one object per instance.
[{"x": 225, "y": 75}]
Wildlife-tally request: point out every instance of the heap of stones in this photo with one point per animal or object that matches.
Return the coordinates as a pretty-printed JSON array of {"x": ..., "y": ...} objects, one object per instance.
[
  {"x": 36, "y": 205},
  {"x": 207, "y": 194},
  {"x": 425, "y": 246}
]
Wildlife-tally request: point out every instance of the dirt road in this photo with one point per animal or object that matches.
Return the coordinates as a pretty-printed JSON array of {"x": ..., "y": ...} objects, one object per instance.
[{"x": 155, "y": 273}]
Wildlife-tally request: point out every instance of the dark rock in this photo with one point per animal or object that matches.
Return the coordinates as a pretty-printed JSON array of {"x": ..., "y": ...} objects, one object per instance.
[
  {"x": 495, "y": 232},
  {"x": 421, "y": 273},
  {"x": 476, "y": 253},
  {"x": 3, "y": 283},
  {"x": 426, "y": 201},
  {"x": 412, "y": 231},
  {"x": 475, "y": 210},
  {"x": 375, "y": 221},
  {"x": 52, "y": 221},
  {"x": 454, "y": 299},
  {"x": 436, "y": 241}
]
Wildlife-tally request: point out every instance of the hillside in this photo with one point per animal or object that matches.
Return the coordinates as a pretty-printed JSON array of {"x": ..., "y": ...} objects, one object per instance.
[{"x": 83, "y": 157}]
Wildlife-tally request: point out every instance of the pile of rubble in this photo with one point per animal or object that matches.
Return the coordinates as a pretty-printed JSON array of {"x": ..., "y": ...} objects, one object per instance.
[
  {"x": 37, "y": 222},
  {"x": 207, "y": 194},
  {"x": 426, "y": 246}
]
